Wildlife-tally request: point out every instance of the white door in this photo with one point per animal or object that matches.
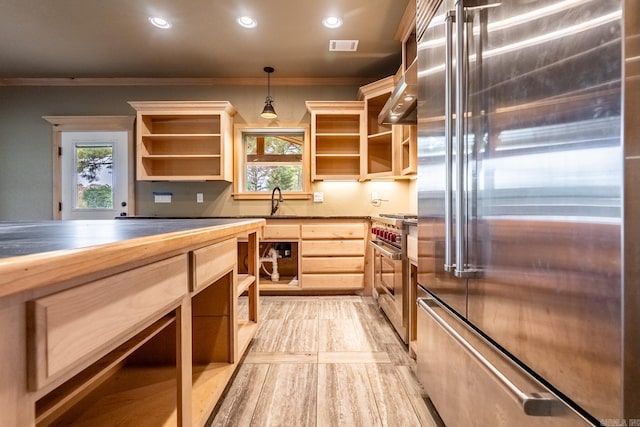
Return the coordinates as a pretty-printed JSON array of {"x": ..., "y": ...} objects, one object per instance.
[{"x": 94, "y": 182}]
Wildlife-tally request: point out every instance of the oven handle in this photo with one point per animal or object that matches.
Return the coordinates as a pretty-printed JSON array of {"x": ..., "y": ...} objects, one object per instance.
[
  {"x": 534, "y": 404},
  {"x": 393, "y": 255}
]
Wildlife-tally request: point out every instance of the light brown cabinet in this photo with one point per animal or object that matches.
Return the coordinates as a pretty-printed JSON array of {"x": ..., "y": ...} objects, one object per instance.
[
  {"x": 379, "y": 154},
  {"x": 326, "y": 254},
  {"x": 408, "y": 150},
  {"x": 337, "y": 139},
  {"x": 333, "y": 255},
  {"x": 184, "y": 140},
  {"x": 155, "y": 344}
]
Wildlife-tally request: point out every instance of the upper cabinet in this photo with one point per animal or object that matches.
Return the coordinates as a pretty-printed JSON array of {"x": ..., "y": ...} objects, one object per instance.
[
  {"x": 338, "y": 129},
  {"x": 379, "y": 153},
  {"x": 184, "y": 140}
]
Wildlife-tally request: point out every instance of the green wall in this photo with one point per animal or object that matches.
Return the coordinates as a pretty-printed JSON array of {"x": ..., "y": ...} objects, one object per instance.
[{"x": 25, "y": 150}]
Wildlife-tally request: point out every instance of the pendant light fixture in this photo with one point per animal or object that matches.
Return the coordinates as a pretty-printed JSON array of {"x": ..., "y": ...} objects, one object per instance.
[{"x": 268, "y": 112}]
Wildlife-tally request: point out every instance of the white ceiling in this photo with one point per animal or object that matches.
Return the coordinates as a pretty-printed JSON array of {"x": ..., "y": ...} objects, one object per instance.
[{"x": 113, "y": 38}]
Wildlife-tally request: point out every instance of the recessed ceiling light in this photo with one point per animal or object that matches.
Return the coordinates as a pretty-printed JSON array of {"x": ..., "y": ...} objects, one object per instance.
[
  {"x": 247, "y": 22},
  {"x": 159, "y": 22},
  {"x": 332, "y": 22}
]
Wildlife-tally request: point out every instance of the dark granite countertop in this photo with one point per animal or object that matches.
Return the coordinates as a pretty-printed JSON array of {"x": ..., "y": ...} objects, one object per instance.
[
  {"x": 256, "y": 217},
  {"x": 27, "y": 238},
  {"x": 38, "y": 254}
]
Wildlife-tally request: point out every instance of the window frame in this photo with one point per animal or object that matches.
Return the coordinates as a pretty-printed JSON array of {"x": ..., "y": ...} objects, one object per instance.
[{"x": 240, "y": 157}]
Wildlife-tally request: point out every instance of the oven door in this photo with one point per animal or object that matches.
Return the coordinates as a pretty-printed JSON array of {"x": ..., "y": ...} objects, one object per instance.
[{"x": 388, "y": 284}]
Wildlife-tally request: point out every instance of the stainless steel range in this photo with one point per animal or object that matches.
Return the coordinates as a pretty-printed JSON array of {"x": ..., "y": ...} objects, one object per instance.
[{"x": 391, "y": 264}]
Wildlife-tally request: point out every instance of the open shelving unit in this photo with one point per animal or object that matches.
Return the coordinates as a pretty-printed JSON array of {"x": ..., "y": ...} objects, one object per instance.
[
  {"x": 184, "y": 141},
  {"x": 380, "y": 153},
  {"x": 337, "y": 130},
  {"x": 409, "y": 150},
  {"x": 172, "y": 369}
]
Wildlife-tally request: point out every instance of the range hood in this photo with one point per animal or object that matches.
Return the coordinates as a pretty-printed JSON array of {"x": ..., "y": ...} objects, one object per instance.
[{"x": 401, "y": 106}]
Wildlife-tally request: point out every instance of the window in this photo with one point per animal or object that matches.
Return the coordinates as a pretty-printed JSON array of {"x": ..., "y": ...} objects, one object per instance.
[
  {"x": 271, "y": 158},
  {"x": 93, "y": 177}
]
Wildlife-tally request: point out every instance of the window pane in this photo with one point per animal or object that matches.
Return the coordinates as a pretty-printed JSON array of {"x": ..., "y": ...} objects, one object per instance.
[
  {"x": 266, "y": 178},
  {"x": 273, "y": 160},
  {"x": 94, "y": 178}
]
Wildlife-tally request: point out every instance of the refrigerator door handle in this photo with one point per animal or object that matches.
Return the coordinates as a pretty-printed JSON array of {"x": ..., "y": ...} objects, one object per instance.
[
  {"x": 460, "y": 139},
  {"x": 448, "y": 135},
  {"x": 463, "y": 19},
  {"x": 534, "y": 404}
]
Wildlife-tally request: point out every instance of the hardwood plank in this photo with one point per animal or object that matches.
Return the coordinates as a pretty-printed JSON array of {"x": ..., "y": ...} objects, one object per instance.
[
  {"x": 398, "y": 354},
  {"x": 304, "y": 310},
  {"x": 267, "y": 336},
  {"x": 345, "y": 397},
  {"x": 338, "y": 335},
  {"x": 240, "y": 401},
  {"x": 286, "y": 394},
  {"x": 393, "y": 404},
  {"x": 298, "y": 335},
  {"x": 416, "y": 395},
  {"x": 278, "y": 310},
  {"x": 287, "y": 357},
  {"x": 336, "y": 309},
  {"x": 353, "y": 357},
  {"x": 371, "y": 316}
]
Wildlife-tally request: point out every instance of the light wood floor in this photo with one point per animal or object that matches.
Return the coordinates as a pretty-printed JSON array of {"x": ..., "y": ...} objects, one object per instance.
[{"x": 324, "y": 361}]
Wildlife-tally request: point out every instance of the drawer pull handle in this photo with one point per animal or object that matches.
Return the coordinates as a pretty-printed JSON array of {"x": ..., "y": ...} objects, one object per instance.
[{"x": 534, "y": 404}]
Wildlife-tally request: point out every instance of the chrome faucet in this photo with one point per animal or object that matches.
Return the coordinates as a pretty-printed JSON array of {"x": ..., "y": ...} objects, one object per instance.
[{"x": 275, "y": 203}]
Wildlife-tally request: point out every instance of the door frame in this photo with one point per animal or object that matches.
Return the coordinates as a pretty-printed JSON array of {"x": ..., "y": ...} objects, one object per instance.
[{"x": 88, "y": 124}]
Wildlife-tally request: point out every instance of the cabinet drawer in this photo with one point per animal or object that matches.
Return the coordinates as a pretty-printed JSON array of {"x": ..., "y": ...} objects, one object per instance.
[
  {"x": 212, "y": 262},
  {"x": 333, "y": 231},
  {"x": 333, "y": 248},
  {"x": 282, "y": 231},
  {"x": 332, "y": 281},
  {"x": 71, "y": 329},
  {"x": 333, "y": 265}
]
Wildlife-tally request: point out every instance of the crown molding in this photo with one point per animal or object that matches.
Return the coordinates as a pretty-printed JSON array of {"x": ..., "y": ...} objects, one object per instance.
[{"x": 184, "y": 81}]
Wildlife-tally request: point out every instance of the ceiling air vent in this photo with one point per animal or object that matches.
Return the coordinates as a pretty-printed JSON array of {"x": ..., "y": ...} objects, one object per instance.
[{"x": 343, "y": 45}]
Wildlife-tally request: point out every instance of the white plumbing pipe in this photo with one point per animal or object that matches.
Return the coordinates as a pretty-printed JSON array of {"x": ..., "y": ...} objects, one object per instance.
[{"x": 272, "y": 257}]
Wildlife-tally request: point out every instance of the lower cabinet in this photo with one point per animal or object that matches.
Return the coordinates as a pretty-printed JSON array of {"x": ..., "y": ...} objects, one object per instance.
[
  {"x": 315, "y": 255},
  {"x": 152, "y": 346}
]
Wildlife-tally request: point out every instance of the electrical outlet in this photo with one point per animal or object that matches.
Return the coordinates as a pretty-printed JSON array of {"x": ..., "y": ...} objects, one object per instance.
[
  {"x": 375, "y": 196},
  {"x": 199, "y": 197},
  {"x": 162, "y": 197},
  {"x": 318, "y": 196}
]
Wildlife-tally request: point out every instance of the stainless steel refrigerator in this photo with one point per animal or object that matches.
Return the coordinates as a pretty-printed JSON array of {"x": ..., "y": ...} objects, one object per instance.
[{"x": 528, "y": 205}]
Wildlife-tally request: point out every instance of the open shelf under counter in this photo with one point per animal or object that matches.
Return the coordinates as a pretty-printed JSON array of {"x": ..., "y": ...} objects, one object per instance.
[
  {"x": 244, "y": 281},
  {"x": 100, "y": 394},
  {"x": 209, "y": 382}
]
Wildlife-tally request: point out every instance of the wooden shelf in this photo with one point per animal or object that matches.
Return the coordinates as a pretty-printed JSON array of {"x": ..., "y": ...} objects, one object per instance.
[
  {"x": 179, "y": 141},
  {"x": 409, "y": 150},
  {"x": 60, "y": 402},
  {"x": 244, "y": 281},
  {"x": 209, "y": 382},
  {"x": 380, "y": 158},
  {"x": 337, "y": 139}
]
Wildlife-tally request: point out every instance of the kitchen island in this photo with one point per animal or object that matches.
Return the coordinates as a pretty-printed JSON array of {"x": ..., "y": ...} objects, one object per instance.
[{"x": 122, "y": 322}]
